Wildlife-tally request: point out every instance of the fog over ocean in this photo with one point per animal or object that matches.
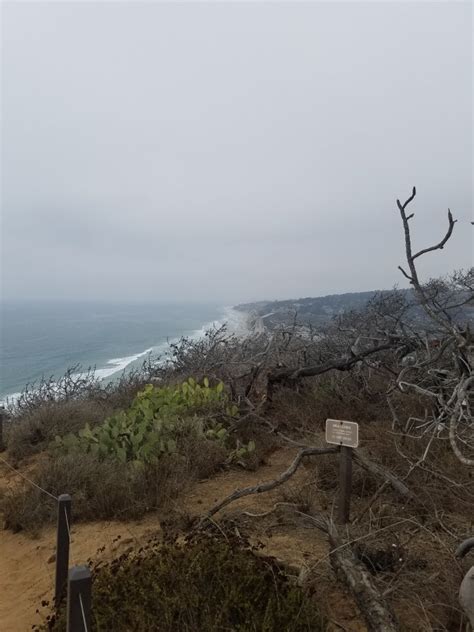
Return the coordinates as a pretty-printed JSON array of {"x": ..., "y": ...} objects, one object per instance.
[{"x": 47, "y": 338}]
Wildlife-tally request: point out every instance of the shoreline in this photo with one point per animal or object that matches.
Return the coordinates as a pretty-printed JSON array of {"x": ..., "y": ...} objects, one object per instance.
[{"x": 238, "y": 322}]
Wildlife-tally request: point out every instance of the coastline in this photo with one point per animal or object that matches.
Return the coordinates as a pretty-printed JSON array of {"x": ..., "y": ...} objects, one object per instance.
[{"x": 237, "y": 321}]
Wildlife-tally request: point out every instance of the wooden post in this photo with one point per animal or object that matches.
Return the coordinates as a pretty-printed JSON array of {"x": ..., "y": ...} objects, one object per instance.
[
  {"x": 62, "y": 545},
  {"x": 79, "y": 600},
  {"x": 345, "y": 485}
]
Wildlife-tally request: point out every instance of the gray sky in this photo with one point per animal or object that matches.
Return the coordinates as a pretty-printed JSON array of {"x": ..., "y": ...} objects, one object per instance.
[{"x": 230, "y": 152}]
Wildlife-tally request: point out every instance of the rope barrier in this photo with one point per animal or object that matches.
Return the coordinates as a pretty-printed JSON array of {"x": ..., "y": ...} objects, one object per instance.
[
  {"x": 29, "y": 480},
  {"x": 65, "y": 499},
  {"x": 67, "y": 524},
  {"x": 83, "y": 613}
]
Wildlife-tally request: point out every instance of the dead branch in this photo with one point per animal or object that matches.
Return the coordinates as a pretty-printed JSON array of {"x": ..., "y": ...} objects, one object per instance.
[
  {"x": 268, "y": 485},
  {"x": 424, "y": 299},
  {"x": 410, "y": 256},
  {"x": 372, "y": 605},
  {"x": 344, "y": 363},
  {"x": 384, "y": 474}
]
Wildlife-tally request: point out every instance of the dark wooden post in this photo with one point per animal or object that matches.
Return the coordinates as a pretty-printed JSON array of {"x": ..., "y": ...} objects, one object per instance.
[
  {"x": 345, "y": 485},
  {"x": 79, "y": 600},
  {"x": 62, "y": 545}
]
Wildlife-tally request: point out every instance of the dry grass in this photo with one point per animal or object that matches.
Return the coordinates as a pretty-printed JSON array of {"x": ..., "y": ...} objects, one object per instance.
[
  {"x": 104, "y": 490},
  {"x": 422, "y": 583},
  {"x": 411, "y": 558},
  {"x": 32, "y": 431}
]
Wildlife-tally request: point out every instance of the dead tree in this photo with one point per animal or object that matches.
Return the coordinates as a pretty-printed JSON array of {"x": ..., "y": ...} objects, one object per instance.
[
  {"x": 443, "y": 368},
  {"x": 420, "y": 338}
]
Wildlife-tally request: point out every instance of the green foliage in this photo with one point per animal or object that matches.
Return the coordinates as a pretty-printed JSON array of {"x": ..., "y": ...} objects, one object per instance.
[
  {"x": 207, "y": 585},
  {"x": 154, "y": 424},
  {"x": 242, "y": 451}
]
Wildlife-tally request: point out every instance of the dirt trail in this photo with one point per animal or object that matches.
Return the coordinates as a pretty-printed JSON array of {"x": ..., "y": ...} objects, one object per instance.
[{"x": 27, "y": 565}]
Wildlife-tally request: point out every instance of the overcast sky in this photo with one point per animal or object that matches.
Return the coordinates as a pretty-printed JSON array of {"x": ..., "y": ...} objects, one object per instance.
[{"x": 230, "y": 152}]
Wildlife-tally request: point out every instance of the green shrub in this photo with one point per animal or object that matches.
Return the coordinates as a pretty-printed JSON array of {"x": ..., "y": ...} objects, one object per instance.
[
  {"x": 203, "y": 586},
  {"x": 155, "y": 423}
]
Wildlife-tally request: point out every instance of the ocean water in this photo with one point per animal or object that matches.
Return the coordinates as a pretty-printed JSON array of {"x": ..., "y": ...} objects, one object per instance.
[{"x": 45, "y": 339}]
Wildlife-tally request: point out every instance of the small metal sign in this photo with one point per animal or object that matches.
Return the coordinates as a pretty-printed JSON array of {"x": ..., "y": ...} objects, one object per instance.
[{"x": 344, "y": 433}]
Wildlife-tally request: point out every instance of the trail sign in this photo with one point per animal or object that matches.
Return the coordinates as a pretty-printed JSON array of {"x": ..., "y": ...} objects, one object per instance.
[
  {"x": 343, "y": 433},
  {"x": 346, "y": 435}
]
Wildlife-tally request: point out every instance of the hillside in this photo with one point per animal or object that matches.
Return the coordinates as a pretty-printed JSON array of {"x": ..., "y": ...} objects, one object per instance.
[
  {"x": 319, "y": 311},
  {"x": 309, "y": 310}
]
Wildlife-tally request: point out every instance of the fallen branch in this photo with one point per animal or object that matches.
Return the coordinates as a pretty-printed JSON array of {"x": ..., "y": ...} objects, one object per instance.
[
  {"x": 384, "y": 474},
  {"x": 268, "y": 485},
  {"x": 356, "y": 577},
  {"x": 267, "y": 513}
]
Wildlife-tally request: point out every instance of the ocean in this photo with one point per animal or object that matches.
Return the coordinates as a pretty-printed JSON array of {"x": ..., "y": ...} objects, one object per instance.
[{"x": 45, "y": 339}]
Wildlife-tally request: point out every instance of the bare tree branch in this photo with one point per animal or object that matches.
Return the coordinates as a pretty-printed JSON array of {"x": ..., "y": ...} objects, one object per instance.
[
  {"x": 268, "y": 485},
  {"x": 384, "y": 474},
  {"x": 440, "y": 245},
  {"x": 343, "y": 363}
]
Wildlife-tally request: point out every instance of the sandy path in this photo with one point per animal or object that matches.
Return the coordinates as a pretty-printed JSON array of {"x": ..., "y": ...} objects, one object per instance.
[{"x": 27, "y": 567}]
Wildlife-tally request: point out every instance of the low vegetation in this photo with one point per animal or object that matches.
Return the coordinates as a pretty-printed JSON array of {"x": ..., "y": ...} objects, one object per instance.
[
  {"x": 158, "y": 421},
  {"x": 135, "y": 460},
  {"x": 192, "y": 586}
]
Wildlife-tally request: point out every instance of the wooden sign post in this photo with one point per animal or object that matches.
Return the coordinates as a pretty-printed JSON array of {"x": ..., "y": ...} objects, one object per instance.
[
  {"x": 346, "y": 435},
  {"x": 345, "y": 485}
]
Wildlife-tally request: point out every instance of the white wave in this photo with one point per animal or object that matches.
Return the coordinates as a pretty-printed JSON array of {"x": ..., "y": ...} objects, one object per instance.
[
  {"x": 236, "y": 322},
  {"x": 113, "y": 366},
  {"x": 117, "y": 365}
]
